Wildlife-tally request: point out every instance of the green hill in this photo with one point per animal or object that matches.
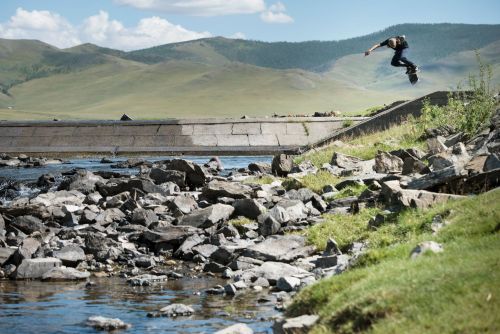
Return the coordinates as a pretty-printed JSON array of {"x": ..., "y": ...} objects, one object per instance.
[{"x": 220, "y": 77}]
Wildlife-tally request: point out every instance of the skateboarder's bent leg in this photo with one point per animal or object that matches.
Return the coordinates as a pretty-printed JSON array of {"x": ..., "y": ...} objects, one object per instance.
[{"x": 399, "y": 60}]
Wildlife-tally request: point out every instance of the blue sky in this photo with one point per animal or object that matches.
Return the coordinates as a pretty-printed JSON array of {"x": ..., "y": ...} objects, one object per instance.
[{"x": 134, "y": 24}]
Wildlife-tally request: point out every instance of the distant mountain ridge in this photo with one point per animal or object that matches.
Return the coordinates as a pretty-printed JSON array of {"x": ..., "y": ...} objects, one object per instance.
[{"x": 225, "y": 77}]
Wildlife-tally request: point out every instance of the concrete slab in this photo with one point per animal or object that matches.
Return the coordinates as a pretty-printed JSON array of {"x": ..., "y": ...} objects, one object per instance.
[
  {"x": 175, "y": 129},
  {"x": 50, "y": 131},
  {"x": 246, "y": 128},
  {"x": 273, "y": 128},
  {"x": 204, "y": 140},
  {"x": 213, "y": 129},
  {"x": 293, "y": 140},
  {"x": 156, "y": 141},
  {"x": 263, "y": 140},
  {"x": 232, "y": 140},
  {"x": 297, "y": 128}
]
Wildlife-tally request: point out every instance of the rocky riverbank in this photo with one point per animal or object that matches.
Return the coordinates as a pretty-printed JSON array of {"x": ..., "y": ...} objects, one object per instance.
[{"x": 177, "y": 218}]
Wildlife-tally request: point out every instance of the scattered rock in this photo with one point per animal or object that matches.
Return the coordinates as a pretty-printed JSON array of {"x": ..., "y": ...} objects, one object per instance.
[
  {"x": 175, "y": 310},
  {"x": 36, "y": 268},
  {"x": 107, "y": 324},
  {"x": 424, "y": 247},
  {"x": 146, "y": 280},
  {"x": 236, "y": 329},
  {"x": 282, "y": 165},
  {"x": 296, "y": 325},
  {"x": 284, "y": 248},
  {"x": 65, "y": 274}
]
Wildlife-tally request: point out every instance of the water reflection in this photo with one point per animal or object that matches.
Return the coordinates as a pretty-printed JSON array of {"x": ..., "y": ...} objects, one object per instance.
[{"x": 41, "y": 307}]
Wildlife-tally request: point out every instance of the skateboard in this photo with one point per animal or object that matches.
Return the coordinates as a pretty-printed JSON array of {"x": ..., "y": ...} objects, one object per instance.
[{"x": 413, "y": 77}]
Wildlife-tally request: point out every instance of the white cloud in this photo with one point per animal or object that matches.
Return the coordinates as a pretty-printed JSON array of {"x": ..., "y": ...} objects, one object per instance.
[
  {"x": 149, "y": 32},
  {"x": 276, "y": 14},
  {"x": 199, "y": 7},
  {"x": 99, "y": 29},
  {"x": 43, "y": 25}
]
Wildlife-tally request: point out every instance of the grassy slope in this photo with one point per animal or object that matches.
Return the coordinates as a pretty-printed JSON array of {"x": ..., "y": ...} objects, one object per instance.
[
  {"x": 182, "y": 89},
  {"x": 452, "y": 292}
]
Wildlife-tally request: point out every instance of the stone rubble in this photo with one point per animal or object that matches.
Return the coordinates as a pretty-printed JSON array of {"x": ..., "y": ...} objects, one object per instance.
[{"x": 176, "y": 213}]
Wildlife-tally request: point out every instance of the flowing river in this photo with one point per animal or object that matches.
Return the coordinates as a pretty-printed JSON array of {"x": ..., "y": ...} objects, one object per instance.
[{"x": 60, "y": 307}]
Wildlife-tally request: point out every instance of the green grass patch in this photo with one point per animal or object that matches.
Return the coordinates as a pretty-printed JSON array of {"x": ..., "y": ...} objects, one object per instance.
[
  {"x": 354, "y": 190},
  {"x": 456, "y": 291},
  {"x": 315, "y": 182},
  {"x": 366, "y": 147}
]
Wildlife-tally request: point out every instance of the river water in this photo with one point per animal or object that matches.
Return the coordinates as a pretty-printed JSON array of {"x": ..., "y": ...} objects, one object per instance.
[{"x": 61, "y": 307}]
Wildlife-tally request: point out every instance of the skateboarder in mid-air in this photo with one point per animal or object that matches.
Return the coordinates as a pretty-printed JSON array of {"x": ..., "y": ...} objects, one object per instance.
[{"x": 400, "y": 45}]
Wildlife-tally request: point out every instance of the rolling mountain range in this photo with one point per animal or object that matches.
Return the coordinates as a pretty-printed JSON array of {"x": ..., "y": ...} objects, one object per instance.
[{"x": 219, "y": 77}]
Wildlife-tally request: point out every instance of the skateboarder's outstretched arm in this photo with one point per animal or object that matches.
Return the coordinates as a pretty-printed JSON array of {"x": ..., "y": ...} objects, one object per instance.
[{"x": 372, "y": 48}]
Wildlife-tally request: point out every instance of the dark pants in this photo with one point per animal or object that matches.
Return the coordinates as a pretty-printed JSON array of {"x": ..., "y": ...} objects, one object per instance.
[{"x": 399, "y": 59}]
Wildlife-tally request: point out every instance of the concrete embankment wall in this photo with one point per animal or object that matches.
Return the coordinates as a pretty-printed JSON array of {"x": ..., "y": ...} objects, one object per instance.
[
  {"x": 197, "y": 136},
  {"x": 384, "y": 120}
]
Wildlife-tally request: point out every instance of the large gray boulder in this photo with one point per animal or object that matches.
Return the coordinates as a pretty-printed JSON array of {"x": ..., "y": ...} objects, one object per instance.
[
  {"x": 345, "y": 161},
  {"x": 195, "y": 175},
  {"x": 131, "y": 185},
  {"x": 65, "y": 274},
  {"x": 260, "y": 167},
  {"x": 216, "y": 188},
  {"x": 289, "y": 210},
  {"x": 26, "y": 250},
  {"x": 282, "y": 165},
  {"x": 170, "y": 236},
  {"x": 70, "y": 255},
  {"x": 207, "y": 217},
  {"x": 272, "y": 271},
  {"x": 5, "y": 254},
  {"x": 59, "y": 198},
  {"x": 249, "y": 208},
  {"x": 387, "y": 163},
  {"x": 160, "y": 176},
  {"x": 82, "y": 181},
  {"x": 183, "y": 204},
  {"x": 35, "y": 268},
  {"x": 146, "y": 280},
  {"x": 185, "y": 251},
  {"x": 28, "y": 224},
  {"x": 269, "y": 226},
  {"x": 298, "y": 325},
  {"x": 282, "y": 248},
  {"x": 144, "y": 217}
]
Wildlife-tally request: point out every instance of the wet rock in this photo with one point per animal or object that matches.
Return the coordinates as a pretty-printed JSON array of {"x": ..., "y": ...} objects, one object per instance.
[
  {"x": 215, "y": 189},
  {"x": 288, "y": 283},
  {"x": 160, "y": 176},
  {"x": 147, "y": 280},
  {"x": 236, "y": 329},
  {"x": 175, "y": 310},
  {"x": 107, "y": 324},
  {"x": 129, "y": 185},
  {"x": 249, "y": 208},
  {"x": 35, "y": 268},
  {"x": 109, "y": 216},
  {"x": 260, "y": 167},
  {"x": 28, "y": 224},
  {"x": 207, "y": 217},
  {"x": 195, "y": 175},
  {"x": 65, "y": 274},
  {"x": 296, "y": 325},
  {"x": 214, "y": 165},
  {"x": 424, "y": 247},
  {"x": 185, "y": 251},
  {"x": 70, "y": 255},
  {"x": 222, "y": 255},
  {"x": 45, "y": 181},
  {"x": 387, "y": 163},
  {"x": 214, "y": 267},
  {"x": 269, "y": 226},
  {"x": 284, "y": 248},
  {"x": 82, "y": 181},
  {"x": 282, "y": 165},
  {"x": 106, "y": 160},
  {"x": 145, "y": 261}
]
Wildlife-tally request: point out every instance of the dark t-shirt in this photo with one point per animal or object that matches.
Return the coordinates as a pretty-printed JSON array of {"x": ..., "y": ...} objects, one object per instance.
[{"x": 399, "y": 46}]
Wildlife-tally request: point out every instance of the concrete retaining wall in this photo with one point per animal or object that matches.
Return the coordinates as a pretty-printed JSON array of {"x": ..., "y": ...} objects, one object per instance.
[
  {"x": 384, "y": 120},
  {"x": 197, "y": 136}
]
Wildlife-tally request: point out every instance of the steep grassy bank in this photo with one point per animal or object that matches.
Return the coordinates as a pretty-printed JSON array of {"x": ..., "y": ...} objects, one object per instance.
[{"x": 387, "y": 292}]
